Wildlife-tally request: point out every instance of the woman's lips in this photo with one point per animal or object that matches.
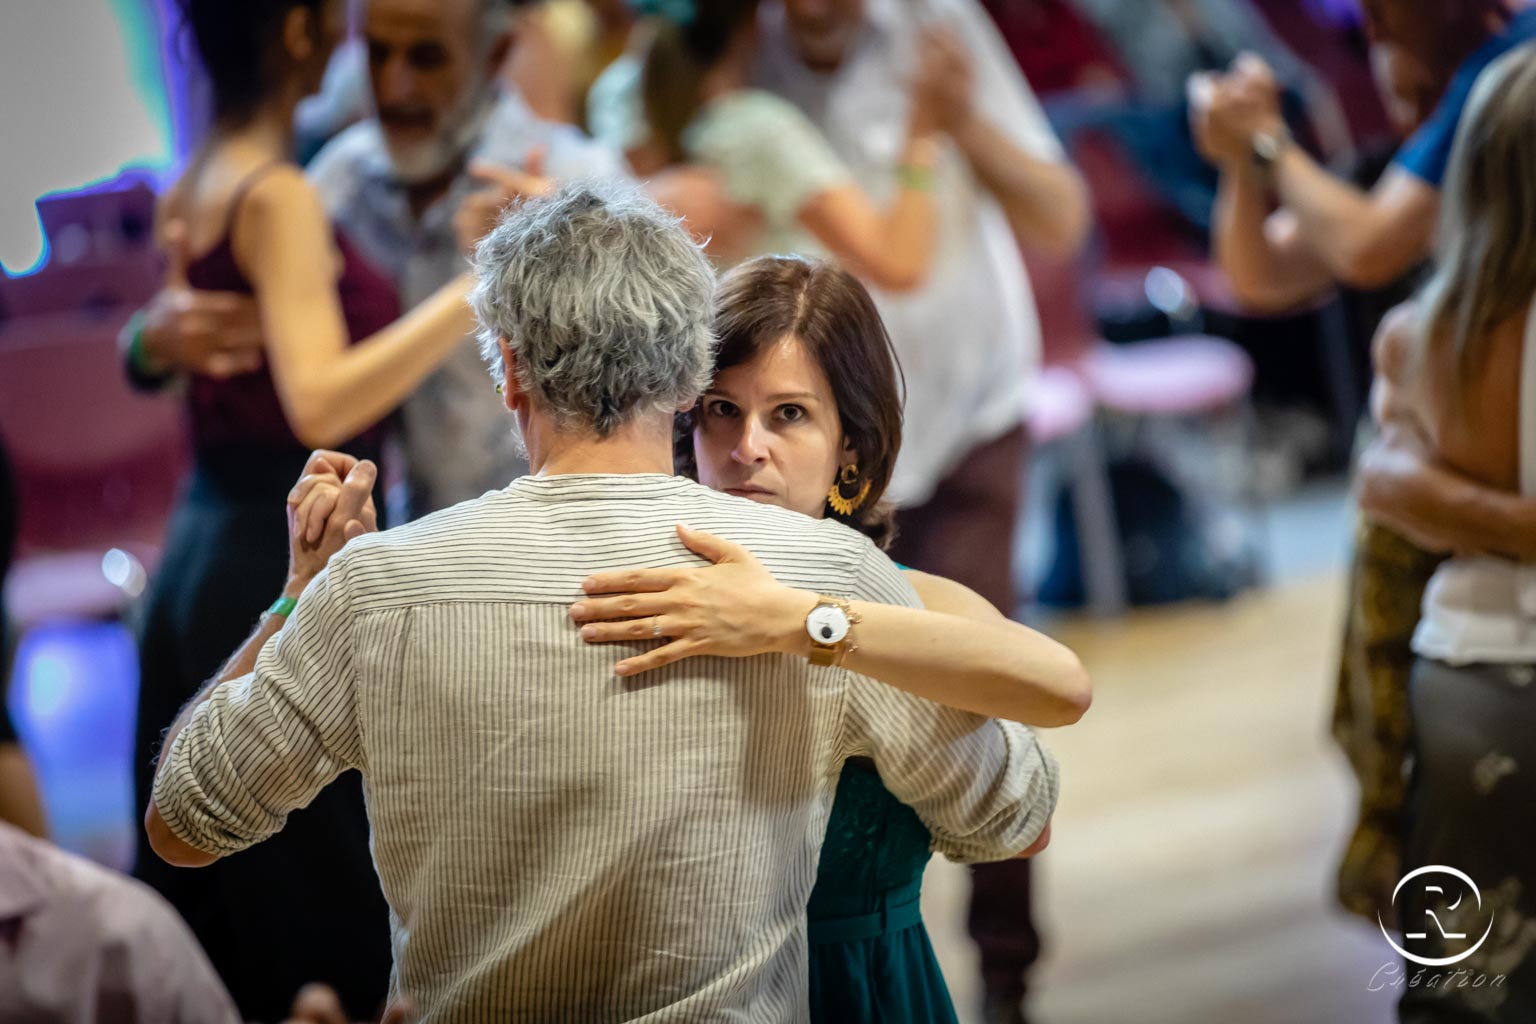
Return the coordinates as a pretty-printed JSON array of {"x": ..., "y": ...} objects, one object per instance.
[{"x": 749, "y": 492}]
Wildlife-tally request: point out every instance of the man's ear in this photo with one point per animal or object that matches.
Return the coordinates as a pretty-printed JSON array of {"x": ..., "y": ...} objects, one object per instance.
[
  {"x": 511, "y": 393},
  {"x": 300, "y": 31},
  {"x": 501, "y": 49}
]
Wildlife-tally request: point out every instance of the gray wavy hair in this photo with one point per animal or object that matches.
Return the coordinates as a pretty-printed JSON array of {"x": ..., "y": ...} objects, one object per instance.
[{"x": 605, "y": 300}]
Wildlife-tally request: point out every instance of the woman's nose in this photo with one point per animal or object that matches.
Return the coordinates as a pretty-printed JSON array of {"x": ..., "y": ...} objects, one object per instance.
[{"x": 752, "y": 445}]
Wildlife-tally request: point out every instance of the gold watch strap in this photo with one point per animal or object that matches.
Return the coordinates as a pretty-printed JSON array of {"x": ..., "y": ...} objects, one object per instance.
[{"x": 826, "y": 655}]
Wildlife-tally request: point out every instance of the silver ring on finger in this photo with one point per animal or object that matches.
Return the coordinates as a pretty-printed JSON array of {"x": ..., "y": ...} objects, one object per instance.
[{"x": 655, "y": 627}]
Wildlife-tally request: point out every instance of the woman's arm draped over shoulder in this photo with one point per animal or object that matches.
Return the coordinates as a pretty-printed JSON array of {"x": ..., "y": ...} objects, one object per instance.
[{"x": 958, "y": 651}]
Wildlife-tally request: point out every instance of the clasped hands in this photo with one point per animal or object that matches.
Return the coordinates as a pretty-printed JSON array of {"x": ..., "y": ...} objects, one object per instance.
[{"x": 1227, "y": 109}]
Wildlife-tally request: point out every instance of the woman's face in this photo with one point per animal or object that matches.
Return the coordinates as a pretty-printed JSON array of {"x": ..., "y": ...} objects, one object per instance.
[{"x": 768, "y": 430}]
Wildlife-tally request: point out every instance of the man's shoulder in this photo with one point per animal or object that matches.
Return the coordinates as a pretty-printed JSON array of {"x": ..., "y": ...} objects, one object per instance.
[
  {"x": 811, "y": 554},
  {"x": 513, "y": 129},
  {"x": 342, "y": 162}
]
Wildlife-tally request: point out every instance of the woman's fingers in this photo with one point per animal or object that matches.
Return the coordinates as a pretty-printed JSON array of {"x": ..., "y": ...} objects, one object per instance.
[
  {"x": 666, "y": 654},
  {"x": 634, "y": 581},
  {"x": 630, "y": 606},
  {"x": 649, "y": 626},
  {"x": 325, "y": 499},
  {"x": 307, "y": 483},
  {"x": 304, "y": 515}
]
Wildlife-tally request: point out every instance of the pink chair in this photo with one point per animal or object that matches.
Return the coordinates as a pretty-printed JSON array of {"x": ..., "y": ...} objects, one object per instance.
[
  {"x": 1187, "y": 375},
  {"x": 97, "y": 465},
  {"x": 1062, "y": 424},
  {"x": 1184, "y": 377}
]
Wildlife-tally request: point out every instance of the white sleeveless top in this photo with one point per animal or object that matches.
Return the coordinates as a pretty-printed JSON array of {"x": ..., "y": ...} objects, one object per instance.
[{"x": 1479, "y": 608}]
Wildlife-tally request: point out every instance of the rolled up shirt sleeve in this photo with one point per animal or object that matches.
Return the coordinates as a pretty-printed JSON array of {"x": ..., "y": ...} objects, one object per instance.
[
  {"x": 984, "y": 788},
  {"x": 265, "y": 744}
]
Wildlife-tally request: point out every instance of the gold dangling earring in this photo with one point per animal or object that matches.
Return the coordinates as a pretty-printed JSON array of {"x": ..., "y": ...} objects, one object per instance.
[{"x": 847, "y": 506}]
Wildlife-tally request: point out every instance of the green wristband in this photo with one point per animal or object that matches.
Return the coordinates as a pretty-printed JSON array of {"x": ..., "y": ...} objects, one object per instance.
[
  {"x": 283, "y": 606},
  {"x": 134, "y": 328},
  {"x": 915, "y": 176}
]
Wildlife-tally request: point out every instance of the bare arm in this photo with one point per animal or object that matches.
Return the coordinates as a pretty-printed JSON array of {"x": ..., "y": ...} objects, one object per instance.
[
  {"x": 1326, "y": 230},
  {"x": 1269, "y": 268},
  {"x": 331, "y": 391},
  {"x": 1046, "y": 200},
  {"x": 958, "y": 651},
  {"x": 890, "y": 248},
  {"x": 1437, "y": 508},
  {"x": 1402, "y": 485},
  {"x": 1365, "y": 239}
]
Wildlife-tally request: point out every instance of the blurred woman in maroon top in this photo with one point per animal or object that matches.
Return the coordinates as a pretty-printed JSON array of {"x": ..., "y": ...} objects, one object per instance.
[{"x": 335, "y": 361}]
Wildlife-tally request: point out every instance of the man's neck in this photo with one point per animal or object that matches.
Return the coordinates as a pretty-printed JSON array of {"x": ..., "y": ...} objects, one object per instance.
[{"x": 633, "y": 448}]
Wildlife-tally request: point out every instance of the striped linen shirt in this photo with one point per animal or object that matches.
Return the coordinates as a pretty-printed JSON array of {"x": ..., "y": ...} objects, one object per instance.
[{"x": 557, "y": 842}]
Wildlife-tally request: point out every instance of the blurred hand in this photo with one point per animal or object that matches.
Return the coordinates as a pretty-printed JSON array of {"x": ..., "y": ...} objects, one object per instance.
[
  {"x": 325, "y": 511},
  {"x": 1248, "y": 100},
  {"x": 943, "y": 93},
  {"x": 733, "y": 608},
  {"x": 729, "y": 229},
  {"x": 217, "y": 334},
  {"x": 1216, "y": 144},
  {"x": 481, "y": 210},
  {"x": 1227, "y": 111}
]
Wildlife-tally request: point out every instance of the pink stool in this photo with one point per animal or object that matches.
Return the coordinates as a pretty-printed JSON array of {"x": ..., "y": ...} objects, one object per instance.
[
  {"x": 1062, "y": 422},
  {"x": 1181, "y": 376}
]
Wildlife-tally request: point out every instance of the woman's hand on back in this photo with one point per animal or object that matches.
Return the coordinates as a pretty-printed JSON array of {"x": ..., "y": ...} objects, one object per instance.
[{"x": 733, "y": 608}]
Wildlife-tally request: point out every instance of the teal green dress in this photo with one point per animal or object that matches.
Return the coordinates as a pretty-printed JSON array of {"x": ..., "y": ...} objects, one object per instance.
[{"x": 871, "y": 959}]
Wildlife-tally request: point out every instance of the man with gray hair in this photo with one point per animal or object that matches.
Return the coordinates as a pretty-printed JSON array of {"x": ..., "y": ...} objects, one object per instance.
[{"x": 557, "y": 842}]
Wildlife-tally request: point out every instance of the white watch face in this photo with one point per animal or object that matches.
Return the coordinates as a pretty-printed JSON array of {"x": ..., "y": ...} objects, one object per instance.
[{"x": 827, "y": 624}]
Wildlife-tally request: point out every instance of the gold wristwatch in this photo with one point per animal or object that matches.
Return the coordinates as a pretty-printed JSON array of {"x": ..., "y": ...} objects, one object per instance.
[{"x": 830, "y": 626}]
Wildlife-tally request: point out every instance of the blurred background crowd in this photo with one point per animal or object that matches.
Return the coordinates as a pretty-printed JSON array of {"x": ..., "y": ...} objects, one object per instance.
[{"x": 1132, "y": 255}]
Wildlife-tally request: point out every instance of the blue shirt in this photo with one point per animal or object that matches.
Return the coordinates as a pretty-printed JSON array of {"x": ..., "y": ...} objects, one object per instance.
[{"x": 1428, "y": 150}]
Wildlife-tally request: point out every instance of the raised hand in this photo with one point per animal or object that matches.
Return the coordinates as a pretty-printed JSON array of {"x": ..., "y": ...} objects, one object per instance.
[
  {"x": 481, "y": 210},
  {"x": 326, "y": 510},
  {"x": 945, "y": 84},
  {"x": 733, "y": 608}
]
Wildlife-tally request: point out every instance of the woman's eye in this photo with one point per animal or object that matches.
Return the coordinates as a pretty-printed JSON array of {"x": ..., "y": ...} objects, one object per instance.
[
  {"x": 719, "y": 408},
  {"x": 792, "y": 413}
]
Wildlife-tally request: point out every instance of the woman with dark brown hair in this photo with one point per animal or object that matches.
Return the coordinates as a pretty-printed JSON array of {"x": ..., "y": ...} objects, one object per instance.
[{"x": 805, "y": 413}]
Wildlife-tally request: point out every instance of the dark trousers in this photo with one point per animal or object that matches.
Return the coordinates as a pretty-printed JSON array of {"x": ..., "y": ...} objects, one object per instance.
[
  {"x": 305, "y": 905},
  {"x": 1469, "y": 808},
  {"x": 965, "y": 532}
]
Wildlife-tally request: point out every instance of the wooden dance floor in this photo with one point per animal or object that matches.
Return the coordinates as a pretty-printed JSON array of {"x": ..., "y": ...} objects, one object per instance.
[{"x": 1190, "y": 873}]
